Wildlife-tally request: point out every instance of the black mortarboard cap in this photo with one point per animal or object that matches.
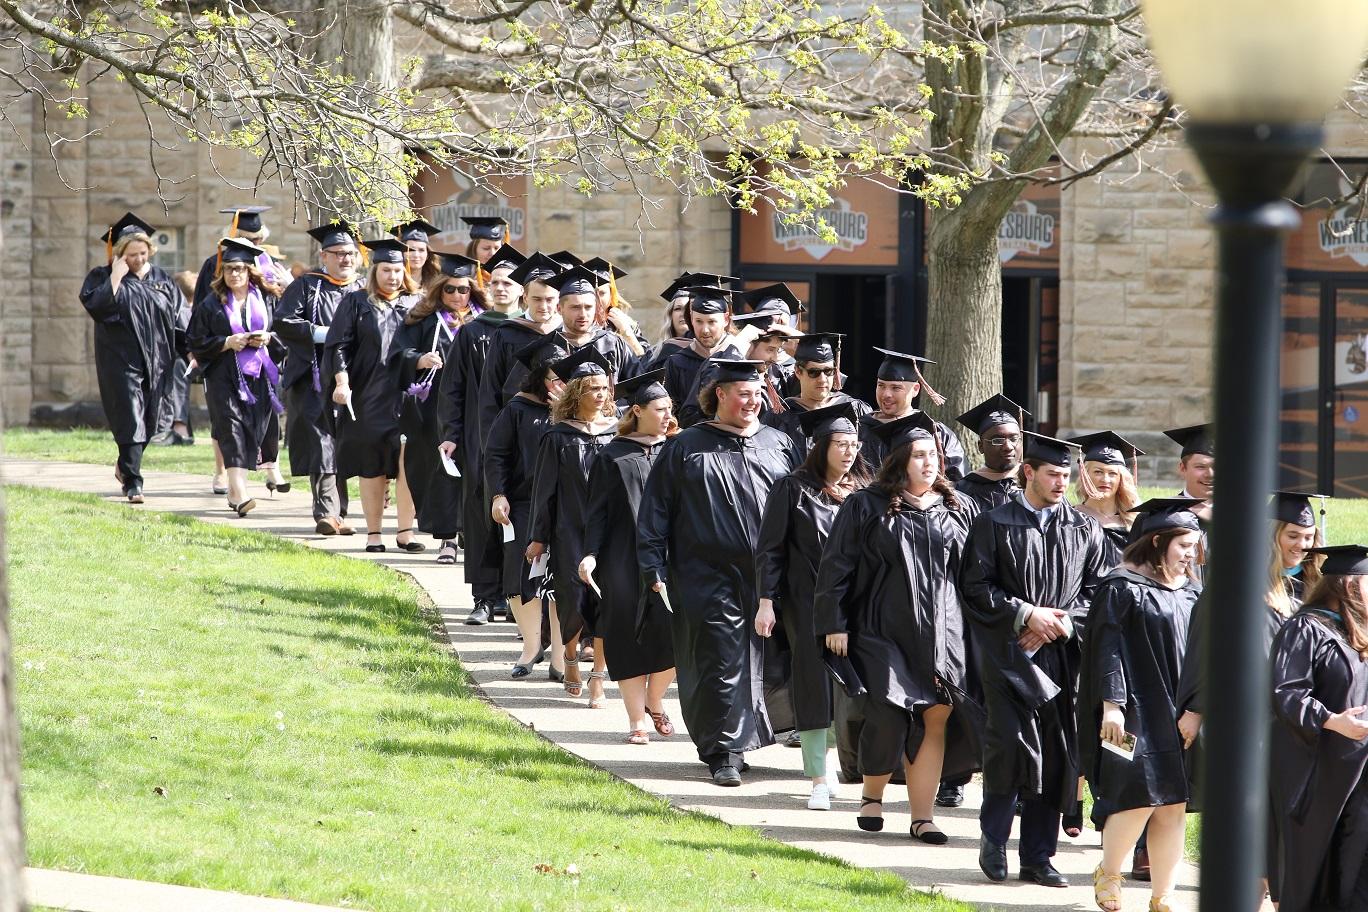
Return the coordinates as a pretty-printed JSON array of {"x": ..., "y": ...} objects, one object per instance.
[
  {"x": 386, "y": 250},
  {"x": 248, "y": 217},
  {"x": 895, "y": 433},
  {"x": 566, "y": 259},
  {"x": 576, "y": 280},
  {"x": 486, "y": 228},
  {"x": 776, "y": 298},
  {"x": 1161, "y": 513},
  {"x": 334, "y": 234},
  {"x": 537, "y": 268},
  {"x": 897, "y": 366},
  {"x": 1343, "y": 560},
  {"x": 996, "y": 409},
  {"x": 708, "y": 299},
  {"x": 732, "y": 370},
  {"x": 1196, "y": 439},
  {"x": 1107, "y": 447},
  {"x": 416, "y": 230},
  {"x": 457, "y": 265},
  {"x": 643, "y": 388},
  {"x": 840, "y": 418},
  {"x": 506, "y": 257},
  {"x": 765, "y": 323},
  {"x": 585, "y": 361},
  {"x": 604, "y": 268},
  {"x": 541, "y": 351},
  {"x": 818, "y": 347},
  {"x": 129, "y": 224},
  {"x": 236, "y": 250},
  {"x": 676, "y": 287},
  {"x": 1294, "y": 508},
  {"x": 1047, "y": 449}
]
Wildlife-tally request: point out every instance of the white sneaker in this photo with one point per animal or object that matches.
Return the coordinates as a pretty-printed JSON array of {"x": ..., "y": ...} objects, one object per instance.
[
  {"x": 820, "y": 799},
  {"x": 832, "y": 788}
]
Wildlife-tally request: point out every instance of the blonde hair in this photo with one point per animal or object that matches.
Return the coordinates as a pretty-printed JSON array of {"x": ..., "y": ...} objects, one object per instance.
[
  {"x": 1127, "y": 495},
  {"x": 667, "y": 330},
  {"x": 373, "y": 287},
  {"x": 567, "y": 406},
  {"x": 1278, "y": 596},
  {"x": 122, "y": 244}
]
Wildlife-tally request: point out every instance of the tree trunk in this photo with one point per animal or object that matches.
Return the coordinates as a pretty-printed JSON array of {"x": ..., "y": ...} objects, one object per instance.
[{"x": 964, "y": 316}]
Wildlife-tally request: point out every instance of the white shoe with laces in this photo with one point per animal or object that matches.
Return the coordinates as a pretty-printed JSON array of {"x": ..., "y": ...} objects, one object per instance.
[{"x": 820, "y": 799}]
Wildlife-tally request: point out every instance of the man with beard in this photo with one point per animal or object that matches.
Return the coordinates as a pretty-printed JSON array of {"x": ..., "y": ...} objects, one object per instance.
[
  {"x": 1028, "y": 577},
  {"x": 697, "y": 528},
  {"x": 577, "y": 306},
  {"x": 302, "y": 320},
  {"x": 899, "y": 385},
  {"x": 710, "y": 319}
]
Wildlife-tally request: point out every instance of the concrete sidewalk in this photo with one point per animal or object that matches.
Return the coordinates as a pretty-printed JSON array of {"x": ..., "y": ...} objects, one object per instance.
[{"x": 773, "y": 798}]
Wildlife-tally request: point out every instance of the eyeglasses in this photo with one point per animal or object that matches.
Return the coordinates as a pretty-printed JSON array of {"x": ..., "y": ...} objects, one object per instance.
[
  {"x": 342, "y": 254},
  {"x": 456, "y": 289},
  {"x": 815, "y": 372},
  {"x": 849, "y": 446},
  {"x": 1004, "y": 441},
  {"x": 234, "y": 268}
]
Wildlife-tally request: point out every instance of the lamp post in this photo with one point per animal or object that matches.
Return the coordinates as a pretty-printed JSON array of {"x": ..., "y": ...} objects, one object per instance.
[{"x": 1257, "y": 78}]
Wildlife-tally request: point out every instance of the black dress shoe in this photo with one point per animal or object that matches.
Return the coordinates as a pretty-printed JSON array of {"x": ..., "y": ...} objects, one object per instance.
[
  {"x": 950, "y": 796},
  {"x": 1043, "y": 874},
  {"x": 726, "y": 776},
  {"x": 992, "y": 859},
  {"x": 479, "y": 616}
]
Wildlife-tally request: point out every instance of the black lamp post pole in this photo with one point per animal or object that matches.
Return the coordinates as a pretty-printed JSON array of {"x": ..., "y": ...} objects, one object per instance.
[{"x": 1251, "y": 168}]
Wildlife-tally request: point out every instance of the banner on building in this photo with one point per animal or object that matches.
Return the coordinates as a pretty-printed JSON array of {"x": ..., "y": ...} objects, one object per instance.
[{"x": 444, "y": 196}]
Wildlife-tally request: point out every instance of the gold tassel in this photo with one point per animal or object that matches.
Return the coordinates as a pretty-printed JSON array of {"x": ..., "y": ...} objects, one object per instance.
[
  {"x": 931, "y": 393},
  {"x": 612, "y": 288}
]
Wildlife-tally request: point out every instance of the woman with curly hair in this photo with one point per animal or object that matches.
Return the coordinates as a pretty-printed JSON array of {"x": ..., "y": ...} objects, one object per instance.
[
  {"x": 1106, "y": 486},
  {"x": 583, "y": 421},
  {"x": 887, "y": 598}
]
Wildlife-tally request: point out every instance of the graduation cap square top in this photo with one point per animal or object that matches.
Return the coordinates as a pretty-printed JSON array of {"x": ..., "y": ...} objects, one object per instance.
[
  {"x": 709, "y": 299},
  {"x": 129, "y": 224},
  {"x": 485, "y": 228},
  {"x": 643, "y": 388},
  {"x": 818, "y": 348},
  {"x": 1107, "y": 447},
  {"x": 246, "y": 219},
  {"x": 1195, "y": 440},
  {"x": 540, "y": 352},
  {"x": 676, "y": 288},
  {"x": 1343, "y": 560},
  {"x": 1159, "y": 514},
  {"x": 457, "y": 265},
  {"x": 566, "y": 259},
  {"x": 765, "y": 323},
  {"x": 996, "y": 410},
  {"x": 777, "y": 298},
  {"x": 537, "y": 268},
  {"x": 735, "y": 370},
  {"x": 899, "y": 367},
  {"x": 576, "y": 280},
  {"x": 1051, "y": 450},
  {"x": 908, "y": 428},
  {"x": 585, "y": 361},
  {"x": 820, "y": 423},
  {"x": 506, "y": 257},
  {"x": 334, "y": 234},
  {"x": 416, "y": 230},
  {"x": 606, "y": 270},
  {"x": 1291, "y": 507},
  {"x": 386, "y": 250},
  {"x": 237, "y": 250}
]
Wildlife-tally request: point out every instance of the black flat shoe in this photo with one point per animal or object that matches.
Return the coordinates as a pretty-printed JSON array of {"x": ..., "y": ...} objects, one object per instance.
[
  {"x": 134, "y": 494},
  {"x": 555, "y": 674},
  {"x": 377, "y": 548},
  {"x": 411, "y": 546},
  {"x": 921, "y": 829},
  {"x": 1045, "y": 875},
  {"x": 870, "y": 824},
  {"x": 993, "y": 860},
  {"x": 520, "y": 671}
]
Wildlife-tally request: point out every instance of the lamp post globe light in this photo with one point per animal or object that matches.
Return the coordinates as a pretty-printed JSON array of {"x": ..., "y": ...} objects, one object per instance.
[{"x": 1257, "y": 78}]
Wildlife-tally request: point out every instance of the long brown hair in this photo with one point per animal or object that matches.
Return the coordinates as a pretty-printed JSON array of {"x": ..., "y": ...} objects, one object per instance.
[
  {"x": 567, "y": 406},
  {"x": 1335, "y": 592},
  {"x": 1150, "y": 549},
  {"x": 373, "y": 287},
  {"x": 254, "y": 276},
  {"x": 628, "y": 423},
  {"x": 891, "y": 479},
  {"x": 818, "y": 461},
  {"x": 432, "y": 300}
]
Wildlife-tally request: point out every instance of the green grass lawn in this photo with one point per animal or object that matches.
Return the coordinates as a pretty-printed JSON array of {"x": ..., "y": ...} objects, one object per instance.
[
  {"x": 214, "y": 707},
  {"x": 96, "y": 446}
]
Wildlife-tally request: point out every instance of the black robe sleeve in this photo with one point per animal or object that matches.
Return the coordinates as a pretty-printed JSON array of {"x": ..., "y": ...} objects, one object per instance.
[
  {"x": 985, "y": 601},
  {"x": 1295, "y": 662},
  {"x": 545, "y": 489},
  {"x": 501, "y": 450},
  {"x": 202, "y": 336},
  {"x": 490, "y": 399},
  {"x": 771, "y": 551},
  {"x": 659, "y": 504},
  {"x": 340, "y": 345},
  {"x": 836, "y": 574},
  {"x": 599, "y": 506},
  {"x": 98, "y": 297}
]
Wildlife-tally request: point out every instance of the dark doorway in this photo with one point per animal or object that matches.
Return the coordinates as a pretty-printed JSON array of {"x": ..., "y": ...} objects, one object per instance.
[
  {"x": 1030, "y": 346},
  {"x": 858, "y": 307}
]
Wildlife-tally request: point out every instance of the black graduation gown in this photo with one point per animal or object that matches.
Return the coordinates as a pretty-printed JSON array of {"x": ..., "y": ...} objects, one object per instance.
[
  {"x": 697, "y": 529},
  {"x": 309, "y": 301},
  {"x": 135, "y": 347},
  {"x": 240, "y": 428},
  {"x": 361, "y": 341},
  {"x": 1320, "y": 797},
  {"x": 788, "y": 420},
  {"x": 635, "y": 630},
  {"x": 1031, "y": 742},
  {"x": 1133, "y": 656},
  {"x": 503, "y": 376},
  {"x": 560, "y": 494},
  {"x": 985, "y": 492},
  {"x": 510, "y": 461},
  {"x": 873, "y": 449},
  {"x": 890, "y": 582},
  {"x": 436, "y": 495},
  {"x": 458, "y": 410}
]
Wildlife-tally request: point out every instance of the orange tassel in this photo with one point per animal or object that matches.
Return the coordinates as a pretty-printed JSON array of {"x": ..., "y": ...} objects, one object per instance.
[
  {"x": 109, "y": 247},
  {"x": 612, "y": 288}
]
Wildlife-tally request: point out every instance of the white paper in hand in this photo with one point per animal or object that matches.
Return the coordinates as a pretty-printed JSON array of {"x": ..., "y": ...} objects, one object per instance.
[
  {"x": 665, "y": 598},
  {"x": 508, "y": 532},
  {"x": 350, "y": 410},
  {"x": 448, "y": 464},
  {"x": 539, "y": 565},
  {"x": 594, "y": 585},
  {"x": 320, "y": 335}
]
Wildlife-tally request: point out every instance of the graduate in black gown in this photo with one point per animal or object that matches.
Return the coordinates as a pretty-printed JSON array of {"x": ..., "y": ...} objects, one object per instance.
[
  {"x": 510, "y": 463},
  {"x": 1294, "y": 533},
  {"x": 710, "y": 320},
  {"x": 798, "y": 516},
  {"x": 635, "y": 631},
  {"x": 463, "y": 442},
  {"x": 577, "y": 305},
  {"x": 767, "y": 340},
  {"x": 887, "y": 596},
  {"x": 1028, "y": 580},
  {"x": 1133, "y": 656},
  {"x": 363, "y": 357},
  {"x": 816, "y": 372},
  {"x": 998, "y": 422},
  {"x": 230, "y": 336},
  {"x": 583, "y": 421},
  {"x": 899, "y": 385},
  {"x": 303, "y": 316},
  {"x": 1319, "y": 742},
  {"x": 451, "y": 304},
  {"x": 134, "y": 305},
  {"x": 420, "y": 259},
  {"x": 1105, "y": 487},
  {"x": 245, "y": 224},
  {"x": 780, "y": 303},
  {"x": 698, "y": 526}
]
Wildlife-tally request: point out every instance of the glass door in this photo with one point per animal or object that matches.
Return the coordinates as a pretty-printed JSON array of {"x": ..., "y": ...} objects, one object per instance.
[
  {"x": 1300, "y": 409},
  {"x": 1348, "y": 402}
]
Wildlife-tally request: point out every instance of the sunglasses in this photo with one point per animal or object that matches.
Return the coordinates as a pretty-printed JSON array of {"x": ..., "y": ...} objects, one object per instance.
[
  {"x": 815, "y": 372},
  {"x": 456, "y": 289}
]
